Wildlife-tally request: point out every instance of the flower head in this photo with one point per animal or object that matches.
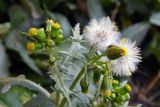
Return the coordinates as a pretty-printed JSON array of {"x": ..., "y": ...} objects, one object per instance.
[
  {"x": 101, "y": 33},
  {"x": 126, "y": 64},
  {"x": 33, "y": 32},
  {"x": 30, "y": 46},
  {"x": 56, "y": 25}
]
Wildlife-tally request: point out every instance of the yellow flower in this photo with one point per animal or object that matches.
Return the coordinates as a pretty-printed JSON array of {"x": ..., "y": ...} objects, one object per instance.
[
  {"x": 106, "y": 93},
  {"x": 49, "y": 21},
  {"x": 33, "y": 32},
  {"x": 56, "y": 25},
  {"x": 30, "y": 46},
  {"x": 128, "y": 87},
  {"x": 123, "y": 51},
  {"x": 115, "y": 81}
]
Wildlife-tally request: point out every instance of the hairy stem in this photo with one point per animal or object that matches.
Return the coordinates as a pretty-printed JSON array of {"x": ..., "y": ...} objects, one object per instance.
[
  {"x": 84, "y": 69},
  {"x": 74, "y": 84}
]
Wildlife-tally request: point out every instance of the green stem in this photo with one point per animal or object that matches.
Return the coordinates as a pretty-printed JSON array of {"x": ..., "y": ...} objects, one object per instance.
[
  {"x": 84, "y": 69},
  {"x": 74, "y": 84},
  {"x": 96, "y": 59},
  {"x": 57, "y": 97}
]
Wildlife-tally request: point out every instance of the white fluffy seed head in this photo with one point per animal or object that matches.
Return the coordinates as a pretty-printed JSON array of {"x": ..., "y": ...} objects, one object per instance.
[
  {"x": 126, "y": 65},
  {"x": 101, "y": 33}
]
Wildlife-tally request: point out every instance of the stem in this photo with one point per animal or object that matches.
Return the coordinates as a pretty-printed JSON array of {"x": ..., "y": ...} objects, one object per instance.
[
  {"x": 96, "y": 59},
  {"x": 84, "y": 69},
  {"x": 57, "y": 97},
  {"x": 74, "y": 84}
]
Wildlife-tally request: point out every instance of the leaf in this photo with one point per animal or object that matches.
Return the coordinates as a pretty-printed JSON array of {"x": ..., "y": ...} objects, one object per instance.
[
  {"x": 39, "y": 101},
  {"x": 95, "y": 9},
  {"x": 76, "y": 33},
  {"x": 4, "y": 63},
  {"x": 155, "y": 19},
  {"x": 33, "y": 9},
  {"x": 12, "y": 41},
  {"x": 52, "y": 3},
  {"x": 4, "y": 28},
  {"x": 133, "y": 6},
  {"x": 20, "y": 95},
  {"x": 17, "y": 15},
  {"x": 136, "y": 32},
  {"x": 43, "y": 96}
]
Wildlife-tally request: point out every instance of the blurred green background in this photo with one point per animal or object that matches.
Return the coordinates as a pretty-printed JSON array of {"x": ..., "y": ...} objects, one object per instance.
[{"x": 138, "y": 20}]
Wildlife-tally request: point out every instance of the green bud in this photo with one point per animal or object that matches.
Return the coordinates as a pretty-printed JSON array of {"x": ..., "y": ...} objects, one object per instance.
[
  {"x": 126, "y": 96},
  {"x": 31, "y": 46},
  {"x": 120, "y": 100},
  {"x": 84, "y": 83},
  {"x": 106, "y": 86},
  {"x": 124, "y": 89},
  {"x": 50, "y": 42},
  {"x": 55, "y": 32},
  {"x": 52, "y": 59},
  {"x": 113, "y": 96},
  {"x": 115, "y": 84},
  {"x": 48, "y": 28},
  {"x": 114, "y": 52},
  {"x": 105, "y": 69},
  {"x": 49, "y": 23},
  {"x": 59, "y": 38},
  {"x": 38, "y": 46},
  {"x": 41, "y": 34},
  {"x": 97, "y": 74}
]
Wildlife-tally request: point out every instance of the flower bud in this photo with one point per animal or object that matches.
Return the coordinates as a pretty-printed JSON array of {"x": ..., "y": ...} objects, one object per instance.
[
  {"x": 41, "y": 34},
  {"x": 106, "y": 86},
  {"x": 33, "y": 32},
  {"x": 31, "y": 46},
  {"x": 115, "y": 84},
  {"x": 97, "y": 74},
  {"x": 126, "y": 96},
  {"x": 49, "y": 23},
  {"x": 56, "y": 25},
  {"x": 124, "y": 89},
  {"x": 105, "y": 69},
  {"x": 52, "y": 59},
  {"x": 114, "y": 52},
  {"x": 50, "y": 42},
  {"x": 113, "y": 96},
  {"x": 84, "y": 83},
  {"x": 59, "y": 38},
  {"x": 128, "y": 87},
  {"x": 120, "y": 100}
]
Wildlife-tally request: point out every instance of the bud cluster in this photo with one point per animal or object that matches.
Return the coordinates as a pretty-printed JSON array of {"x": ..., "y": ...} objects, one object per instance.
[
  {"x": 117, "y": 96},
  {"x": 45, "y": 37}
]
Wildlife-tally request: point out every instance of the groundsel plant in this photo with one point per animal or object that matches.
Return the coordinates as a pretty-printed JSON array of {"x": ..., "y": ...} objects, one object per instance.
[{"x": 82, "y": 78}]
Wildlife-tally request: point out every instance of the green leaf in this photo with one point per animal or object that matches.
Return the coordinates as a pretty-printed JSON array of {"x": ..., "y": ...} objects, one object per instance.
[
  {"x": 133, "y": 6},
  {"x": 24, "y": 91},
  {"x": 17, "y": 15},
  {"x": 4, "y": 28},
  {"x": 33, "y": 9},
  {"x": 155, "y": 19},
  {"x": 95, "y": 9},
  {"x": 136, "y": 32},
  {"x": 4, "y": 62},
  {"x": 16, "y": 96},
  {"x": 15, "y": 42}
]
